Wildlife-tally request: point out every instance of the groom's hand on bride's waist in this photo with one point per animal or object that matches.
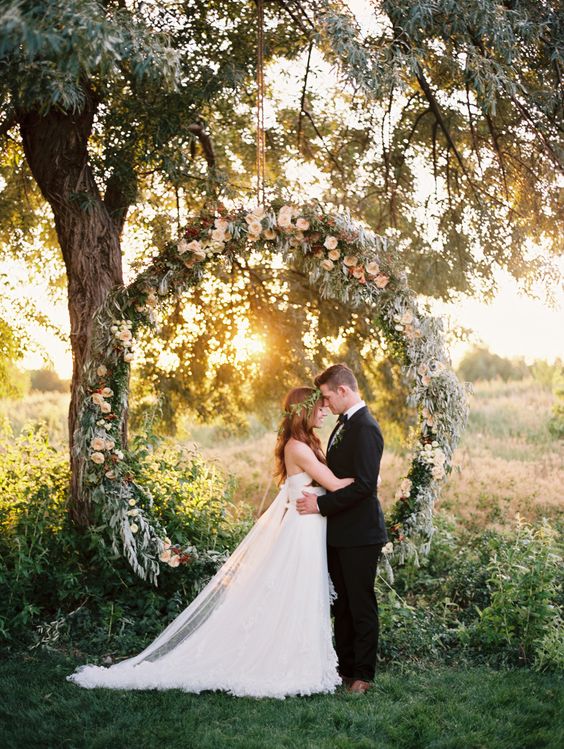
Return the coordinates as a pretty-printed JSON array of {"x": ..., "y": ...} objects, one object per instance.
[{"x": 307, "y": 504}]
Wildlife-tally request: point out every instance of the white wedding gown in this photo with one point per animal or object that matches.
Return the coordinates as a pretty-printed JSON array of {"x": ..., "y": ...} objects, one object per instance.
[{"x": 260, "y": 628}]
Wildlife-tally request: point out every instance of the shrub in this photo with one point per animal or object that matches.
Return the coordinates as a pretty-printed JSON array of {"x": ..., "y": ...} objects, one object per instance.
[
  {"x": 524, "y": 590},
  {"x": 490, "y": 596},
  {"x": 59, "y": 585}
]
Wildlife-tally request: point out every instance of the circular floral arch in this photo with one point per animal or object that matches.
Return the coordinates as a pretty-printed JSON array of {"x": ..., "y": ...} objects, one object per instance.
[{"x": 344, "y": 262}]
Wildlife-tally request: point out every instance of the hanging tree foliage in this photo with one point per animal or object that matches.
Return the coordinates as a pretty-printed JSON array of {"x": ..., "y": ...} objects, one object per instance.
[{"x": 116, "y": 106}]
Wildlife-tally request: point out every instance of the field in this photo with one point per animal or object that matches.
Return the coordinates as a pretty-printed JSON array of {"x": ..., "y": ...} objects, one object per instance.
[{"x": 507, "y": 462}]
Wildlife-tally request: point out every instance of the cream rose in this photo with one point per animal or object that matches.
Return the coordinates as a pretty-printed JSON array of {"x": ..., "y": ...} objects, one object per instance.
[
  {"x": 285, "y": 217},
  {"x": 259, "y": 211},
  {"x": 372, "y": 268},
  {"x": 152, "y": 299},
  {"x": 331, "y": 242},
  {"x": 128, "y": 357},
  {"x": 107, "y": 392},
  {"x": 110, "y": 474},
  {"x": 118, "y": 454},
  {"x": 134, "y": 527},
  {"x": 102, "y": 371},
  {"x": 196, "y": 247},
  {"x": 350, "y": 261},
  {"x": 381, "y": 281},
  {"x": 105, "y": 408},
  {"x": 182, "y": 246},
  {"x": 97, "y": 443},
  {"x": 124, "y": 335},
  {"x": 97, "y": 457},
  {"x": 334, "y": 255},
  {"x": 133, "y": 513},
  {"x": 98, "y": 399},
  {"x": 327, "y": 264},
  {"x": 302, "y": 224},
  {"x": 132, "y": 502},
  {"x": 255, "y": 228},
  {"x": 109, "y": 444},
  {"x": 222, "y": 224},
  {"x": 218, "y": 235}
]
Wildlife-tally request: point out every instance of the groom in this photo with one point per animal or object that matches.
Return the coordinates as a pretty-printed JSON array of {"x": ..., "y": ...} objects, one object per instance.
[{"x": 356, "y": 531}]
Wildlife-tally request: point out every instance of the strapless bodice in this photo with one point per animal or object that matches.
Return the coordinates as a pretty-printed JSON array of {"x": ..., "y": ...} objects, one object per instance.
[{"x": 297, "y": 483}]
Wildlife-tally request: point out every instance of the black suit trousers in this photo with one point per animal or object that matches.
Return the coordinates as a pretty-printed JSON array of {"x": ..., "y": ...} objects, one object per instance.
[{"x": 353, "y": 571}]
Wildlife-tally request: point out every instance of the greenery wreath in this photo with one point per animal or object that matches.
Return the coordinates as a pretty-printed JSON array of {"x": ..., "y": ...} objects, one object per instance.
[{"x": 343, "y": 261}]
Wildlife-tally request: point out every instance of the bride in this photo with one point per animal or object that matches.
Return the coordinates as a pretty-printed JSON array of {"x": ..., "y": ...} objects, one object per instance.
[{"x": 261, "y": 627}]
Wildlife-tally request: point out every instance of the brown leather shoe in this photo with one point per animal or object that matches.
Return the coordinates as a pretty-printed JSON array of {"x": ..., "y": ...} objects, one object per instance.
[
  {"x": 347, "y": 681},
  {"x": 359, "y": 686}
]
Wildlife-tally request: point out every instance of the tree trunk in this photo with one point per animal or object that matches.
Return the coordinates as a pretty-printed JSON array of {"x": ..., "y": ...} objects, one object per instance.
[{"x": 55, "y": 146}]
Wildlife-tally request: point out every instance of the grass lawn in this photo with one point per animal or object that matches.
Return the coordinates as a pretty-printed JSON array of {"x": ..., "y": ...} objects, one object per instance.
[{"x": 438, "y": 708}]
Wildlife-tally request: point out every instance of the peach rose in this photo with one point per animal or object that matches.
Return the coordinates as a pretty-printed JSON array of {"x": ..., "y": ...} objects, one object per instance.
[
  {"x": 97, "y": 458},
  {"x": 105, "y": 408},
  {"x": 107, "y": 392},
  {"x": 102, "y": 371},
  {"x": 174, "y": 561},
  {"x": 302, "y": 224},
  {"x": 98, "y": 399},
  {"x": 97, "y": 443},
  {"x": 165, "y": 555},
  {"x": 358, "y": 271},
  {"x": 269, "y": 234},
  {"x": 331, "y": 243},
  {"x": 381, "y": 281},
  {"x": 350, "y": 261},
  {"x": 327, "y": 264},
  {"x": 334, "y": 254},
  {"x": 372, "y": 268}
]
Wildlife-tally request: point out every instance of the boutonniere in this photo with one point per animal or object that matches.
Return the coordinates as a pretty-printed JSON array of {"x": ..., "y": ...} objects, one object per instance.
[{"x": 338, "y": 436}]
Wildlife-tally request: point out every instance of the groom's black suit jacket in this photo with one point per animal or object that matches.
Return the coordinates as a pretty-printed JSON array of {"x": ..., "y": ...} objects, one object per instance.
[{"x": 354, "y": 514}]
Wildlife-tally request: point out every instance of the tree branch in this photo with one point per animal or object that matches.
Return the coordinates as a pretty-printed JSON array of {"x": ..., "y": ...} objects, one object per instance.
[{"x": 206, "y": 142}]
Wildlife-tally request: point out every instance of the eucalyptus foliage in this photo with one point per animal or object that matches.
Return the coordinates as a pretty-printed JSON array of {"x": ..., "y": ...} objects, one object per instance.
[{"x": 341, "y": 260}]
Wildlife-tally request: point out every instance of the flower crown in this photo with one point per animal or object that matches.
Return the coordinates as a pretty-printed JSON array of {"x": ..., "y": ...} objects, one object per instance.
[{"x": 308, "y": 404}]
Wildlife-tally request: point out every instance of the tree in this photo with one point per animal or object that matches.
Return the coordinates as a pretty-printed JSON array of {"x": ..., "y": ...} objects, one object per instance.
[
  {"x": 113, "y": 103},
  {"x": 481, "y": 364}
]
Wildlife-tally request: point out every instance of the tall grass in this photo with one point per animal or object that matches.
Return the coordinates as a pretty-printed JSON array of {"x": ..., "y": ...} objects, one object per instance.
[{"x": 508, "y": 461}]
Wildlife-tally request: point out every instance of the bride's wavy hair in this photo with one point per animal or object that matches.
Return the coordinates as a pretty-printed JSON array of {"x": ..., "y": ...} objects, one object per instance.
[{"x": 297, "y": 422}]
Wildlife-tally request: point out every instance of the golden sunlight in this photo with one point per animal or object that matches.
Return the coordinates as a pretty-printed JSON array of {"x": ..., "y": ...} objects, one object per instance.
[{"x": 247, "y": 345}]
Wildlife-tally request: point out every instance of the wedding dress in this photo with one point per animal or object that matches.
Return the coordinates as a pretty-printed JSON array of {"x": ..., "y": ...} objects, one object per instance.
[{"x": 260, "y": 628}]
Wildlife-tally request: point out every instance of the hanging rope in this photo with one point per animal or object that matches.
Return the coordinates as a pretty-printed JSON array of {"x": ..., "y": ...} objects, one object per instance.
[{"x": 261, "y": 144}]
